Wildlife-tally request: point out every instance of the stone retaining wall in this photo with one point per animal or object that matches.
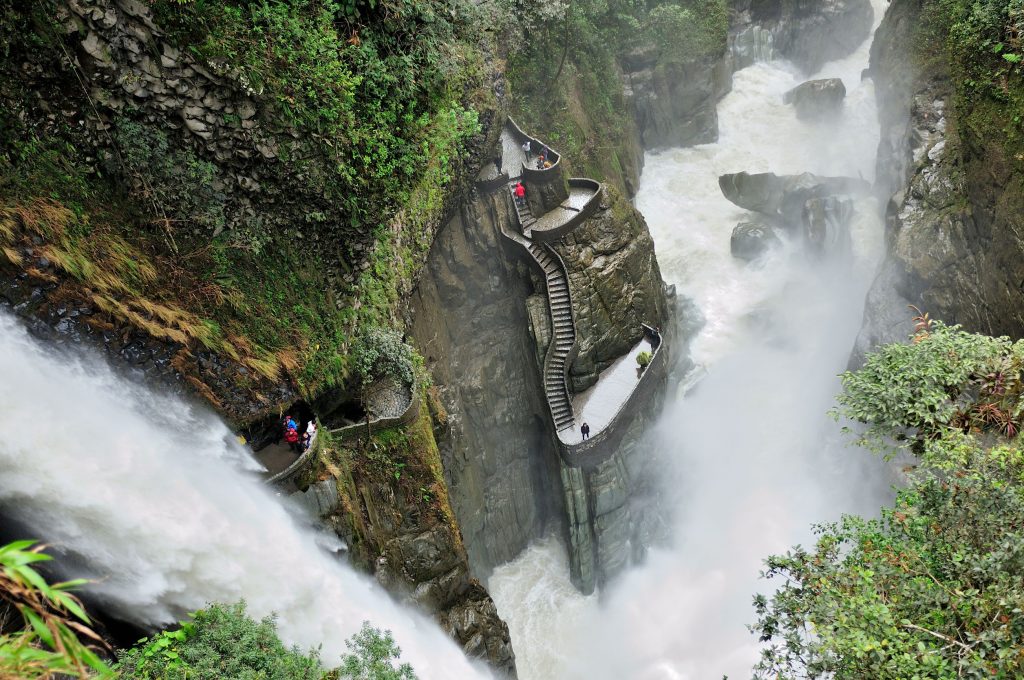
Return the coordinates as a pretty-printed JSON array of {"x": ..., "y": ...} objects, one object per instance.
[
  {"x": 346, "y": 433},
  {"x": 597, "y": 449}
]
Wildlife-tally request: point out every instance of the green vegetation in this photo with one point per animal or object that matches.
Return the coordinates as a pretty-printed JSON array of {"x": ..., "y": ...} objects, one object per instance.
[
  {"x": 565, "y": 76},
  {"x": 224, "y": 642},
  {"x": 53, "y": 639},
  {"x": 934, "y": 588},
  {"x": 371, "y": 657},
  {"x": 369, "y": 107},
  {"x": 381, "y": 353},
  {"x": 53, "y": 636},
  {"x": 944, "y": 379},
  {"x": 219, "y": 642},
  {"x": 981, "y": 45}
]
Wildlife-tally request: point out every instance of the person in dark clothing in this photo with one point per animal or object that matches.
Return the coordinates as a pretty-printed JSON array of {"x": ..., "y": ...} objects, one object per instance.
[{"x": 585, "y": 429}]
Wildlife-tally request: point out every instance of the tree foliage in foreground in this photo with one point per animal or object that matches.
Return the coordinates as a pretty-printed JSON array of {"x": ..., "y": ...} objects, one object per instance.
[
  {"x": 934, "y": 588},
  {"x": 222, "y": 641}
]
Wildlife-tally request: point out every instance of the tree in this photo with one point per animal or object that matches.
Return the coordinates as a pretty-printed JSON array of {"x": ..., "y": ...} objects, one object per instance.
[
  {"x": 934, "y": 589},
  {"x": 371, "y": 657}
]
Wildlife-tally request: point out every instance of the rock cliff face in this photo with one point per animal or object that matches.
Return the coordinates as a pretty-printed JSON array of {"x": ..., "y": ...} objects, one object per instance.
[
  {"x": 400, "y": 527},
  {"x": 481, "y": 320},
  {"x": 674, "y": 104},
  {"x": 955, "y": 200},
  {"x": 471, "y": 325},
  {"x": 265, "y": 173},
  {"x": 616, "y": 286},
  {"x": 807, "y": 33}
]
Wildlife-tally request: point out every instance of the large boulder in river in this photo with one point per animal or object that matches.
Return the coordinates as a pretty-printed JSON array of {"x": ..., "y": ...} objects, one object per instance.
[
  {"x": 817, "y": 99},
  {"x": 751, "y": 239},
  {"x": 784, "y": 195}
]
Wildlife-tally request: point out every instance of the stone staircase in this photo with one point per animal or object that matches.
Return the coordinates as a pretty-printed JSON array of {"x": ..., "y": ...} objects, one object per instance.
[
  {"x": 563, "y": 338},
  {"x": 523, "y": 212}
]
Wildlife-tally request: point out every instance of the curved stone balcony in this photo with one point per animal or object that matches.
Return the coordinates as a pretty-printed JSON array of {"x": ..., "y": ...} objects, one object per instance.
[{"x": 611, "y": 404}]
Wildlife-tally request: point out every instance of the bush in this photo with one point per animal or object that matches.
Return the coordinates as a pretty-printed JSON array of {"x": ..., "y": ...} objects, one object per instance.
[
  {"x": 380, "y": 352},
  {"x": 220, "y": 641},
  {"x": 945, "y": 378},
  {"x": 178, "y": 183}
]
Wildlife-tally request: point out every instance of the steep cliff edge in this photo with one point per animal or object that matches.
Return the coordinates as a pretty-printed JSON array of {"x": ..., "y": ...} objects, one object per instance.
[
  {"x": 950, "y": 161},
  {"x": 472, "y": 328}
]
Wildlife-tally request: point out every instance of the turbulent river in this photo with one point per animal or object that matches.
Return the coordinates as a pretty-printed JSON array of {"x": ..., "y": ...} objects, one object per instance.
[{"x": 754, "y": 458}]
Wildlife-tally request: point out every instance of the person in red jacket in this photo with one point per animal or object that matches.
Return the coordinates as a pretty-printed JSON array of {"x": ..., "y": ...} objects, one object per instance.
[
  {"x": 520, "y": 192},
  {"x": 291, "y": 437}
]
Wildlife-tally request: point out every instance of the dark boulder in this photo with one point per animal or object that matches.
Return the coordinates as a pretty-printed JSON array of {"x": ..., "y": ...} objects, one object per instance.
[
  {"x": 751, "y": 239},
  {"x": 817, "y": 99},
  {"x": 784, "y": 195}
]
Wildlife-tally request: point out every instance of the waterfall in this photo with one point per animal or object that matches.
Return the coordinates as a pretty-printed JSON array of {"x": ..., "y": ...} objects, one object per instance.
[
  {"x": 752, "y": 459},
  {"x": 151, "y": 497}
]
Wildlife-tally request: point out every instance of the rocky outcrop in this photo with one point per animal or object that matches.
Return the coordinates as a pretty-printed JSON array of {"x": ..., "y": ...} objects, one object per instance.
[
  {"x": 785, "y": 195},
  {"x": 53, "y": 309},
  {"x": 816, "y": 209},
  {"x": 807, "y": 33},
  {"x": 817, "y": 99},
  {"x": 616, "y": 286},
  {"x": 400, "y": 528},
  {"x": 750, "y": 240},
  {"x": 955, "y": 202},
  {"x": 500, "y": 457},
  {"x": 674, "y": 103}
]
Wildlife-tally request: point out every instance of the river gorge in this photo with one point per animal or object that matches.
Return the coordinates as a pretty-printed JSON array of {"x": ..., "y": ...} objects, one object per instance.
[{"x": 692, "y": 278}]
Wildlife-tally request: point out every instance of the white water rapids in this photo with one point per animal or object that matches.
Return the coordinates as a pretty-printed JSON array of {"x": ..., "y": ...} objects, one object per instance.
[
  {"x": 147, "y": 493},
  {"x": 753, "y": 458}
]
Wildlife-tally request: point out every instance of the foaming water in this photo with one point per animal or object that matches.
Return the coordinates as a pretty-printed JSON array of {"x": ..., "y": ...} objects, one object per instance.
[
  {"x": 147, "y": 494},
  {"x": 752, "y": 457}
]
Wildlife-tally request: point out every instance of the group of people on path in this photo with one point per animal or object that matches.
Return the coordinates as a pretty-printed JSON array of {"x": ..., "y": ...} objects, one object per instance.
[
  {"x": 543, "y": 157},
  {"x": 296, "y": 442}
]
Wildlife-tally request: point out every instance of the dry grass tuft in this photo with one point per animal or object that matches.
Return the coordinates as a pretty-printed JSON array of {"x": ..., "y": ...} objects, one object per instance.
[{"x": 117, "y": 277}]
